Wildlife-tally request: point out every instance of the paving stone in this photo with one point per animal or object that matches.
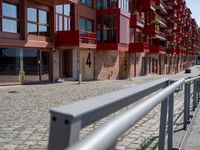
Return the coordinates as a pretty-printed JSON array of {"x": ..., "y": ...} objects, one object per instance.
[{"x": 25, "y": 115}]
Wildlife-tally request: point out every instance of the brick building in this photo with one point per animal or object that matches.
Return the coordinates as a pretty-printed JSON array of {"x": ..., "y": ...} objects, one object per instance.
[{"x": 99, "y": 39}]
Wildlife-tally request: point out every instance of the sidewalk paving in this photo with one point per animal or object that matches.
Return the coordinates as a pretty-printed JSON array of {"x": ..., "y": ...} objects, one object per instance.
[
  {"x": 24, "y": 111},
  {"x": 192, "y": 142}
]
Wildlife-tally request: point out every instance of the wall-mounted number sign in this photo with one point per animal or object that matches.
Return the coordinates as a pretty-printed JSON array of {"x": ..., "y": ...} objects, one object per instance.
[{"x": 88, "y": 61}]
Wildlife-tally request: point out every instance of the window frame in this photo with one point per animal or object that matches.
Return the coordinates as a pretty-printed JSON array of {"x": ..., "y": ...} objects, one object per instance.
[
  {"x": 37, "y": 23},
  {"x": 63, "y": 17},
  {"x": 17, "y": 19},
  {"x": 86, "y": 20},
  {"x": 109, "y": 29}
]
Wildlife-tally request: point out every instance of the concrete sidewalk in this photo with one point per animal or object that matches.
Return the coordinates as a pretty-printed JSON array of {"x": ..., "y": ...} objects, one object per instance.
[{"x": 193, "y": 141}]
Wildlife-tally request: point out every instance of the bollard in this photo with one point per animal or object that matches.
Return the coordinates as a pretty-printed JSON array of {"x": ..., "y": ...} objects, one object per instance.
[{"x": 80, "y": 78}]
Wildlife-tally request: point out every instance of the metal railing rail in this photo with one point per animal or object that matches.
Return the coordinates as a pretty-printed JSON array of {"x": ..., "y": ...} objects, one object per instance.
[
  {"x": 107, "y": 134},
  {"x": 67, "y": 121}
]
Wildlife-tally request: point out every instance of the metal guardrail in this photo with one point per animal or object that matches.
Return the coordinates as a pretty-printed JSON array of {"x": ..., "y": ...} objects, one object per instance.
[{"x": 67, "y": 121}]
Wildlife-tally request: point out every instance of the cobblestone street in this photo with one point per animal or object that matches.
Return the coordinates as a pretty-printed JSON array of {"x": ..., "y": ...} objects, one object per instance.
[{"x": 24, "y": 112}]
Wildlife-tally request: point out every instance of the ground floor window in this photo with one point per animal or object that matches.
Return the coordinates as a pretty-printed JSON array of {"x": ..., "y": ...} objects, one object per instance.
[{"x": 18, "y": 63}]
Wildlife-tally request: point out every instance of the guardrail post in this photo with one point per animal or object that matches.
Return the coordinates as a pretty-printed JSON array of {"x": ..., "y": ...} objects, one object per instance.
[
  {"x": 194, "y": 94},
  {"x": 186, "y": 115},
  {"x": 63, "y": 131},
  {"x": 198, "y": 90},
  {"x": 189, "y": 99},
  {"x": 170, "y": 121},
  {"x": 163, "y": 120},
  {"x": 113, "y": 147}
]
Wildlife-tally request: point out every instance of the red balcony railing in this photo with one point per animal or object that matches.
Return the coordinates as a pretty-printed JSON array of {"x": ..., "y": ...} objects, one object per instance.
[
  {"x": 171, "y": 50},
  {"x": 139, "y": 47},
  {"x": 148, "y": 4},
  {"x": 156, "y": 49},
  {"x": 172, "y": 2},
  {"x": 154, "y": 30},
  {"x": 75, "y": 38},
  {"x": 171, "y": 38},
  {"x": 172, "y": 13}
]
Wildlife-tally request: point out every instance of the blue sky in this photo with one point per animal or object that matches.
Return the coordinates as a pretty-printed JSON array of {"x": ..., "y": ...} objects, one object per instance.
[{"x": 194, "y": 5}]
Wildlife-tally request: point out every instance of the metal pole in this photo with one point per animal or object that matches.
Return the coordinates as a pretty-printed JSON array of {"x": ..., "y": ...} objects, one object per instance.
[
  {"x": 163, "y": 120},
  {"x": 198, "y": 90},
  {"x": 188, "y": 99},
  {"x": 186, "y": 91},
  {"x": 170, "y": 121},
  {"x": 194, "y": 94}
]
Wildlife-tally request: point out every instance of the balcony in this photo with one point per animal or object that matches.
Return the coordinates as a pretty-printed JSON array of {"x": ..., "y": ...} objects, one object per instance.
[
  {"x": 148, "y": 5},
  {"x": 171, "y": 38},
  {"x": 171, "y": 2},
  {"x": 157, "y": 49},
  {"x": 76, "y": 38},
  {"x": 154, "y": 30},
  {"x": 138, "y": 47},
  {"x": 158, "y": 19},
  {"x": 171, "y": 50},
  {"x": 179, "y": 30},
  {"x": 136, "y": 21},
  {"x": 172, "y": 13},
  {"x": 161, "y": 6}
]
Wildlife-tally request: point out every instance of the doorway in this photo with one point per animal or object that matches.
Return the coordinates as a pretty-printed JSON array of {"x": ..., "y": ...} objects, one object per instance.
[{"x": 67, "y": 64}]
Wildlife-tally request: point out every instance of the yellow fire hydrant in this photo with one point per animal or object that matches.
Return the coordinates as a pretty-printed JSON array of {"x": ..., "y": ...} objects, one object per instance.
[{"x": 21, "y": 76}]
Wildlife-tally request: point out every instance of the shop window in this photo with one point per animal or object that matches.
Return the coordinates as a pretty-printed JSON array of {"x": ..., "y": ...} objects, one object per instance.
[
  {"x": 63, "y": 17},
  {"x": 38, "y": 21},
  {"x": 10, "y": 17}
]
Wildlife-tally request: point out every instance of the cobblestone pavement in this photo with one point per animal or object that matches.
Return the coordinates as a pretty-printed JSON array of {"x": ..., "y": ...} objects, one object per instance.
[{"x": 24, "y": 112}]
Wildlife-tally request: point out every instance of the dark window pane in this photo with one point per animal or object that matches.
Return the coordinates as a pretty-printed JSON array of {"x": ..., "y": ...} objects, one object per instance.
[
  {"x": 82, "y": 24},
  {"x": 32, "y": 28},
  {"x": 9, "y": 10},
  {"x": 9, "y": 65},
  {"x": 43, "y": 17},
  {"x": 32, "y": 14},
  {"x": 9, "y": 26},
  {"x": 86, "y": 25},
  {"x": 89, "y": 26},
  {"x": 86, "y": 2}
]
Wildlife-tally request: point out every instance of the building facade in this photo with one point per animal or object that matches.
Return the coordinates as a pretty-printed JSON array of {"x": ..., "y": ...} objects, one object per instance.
[{"x": 44, "y": 40}]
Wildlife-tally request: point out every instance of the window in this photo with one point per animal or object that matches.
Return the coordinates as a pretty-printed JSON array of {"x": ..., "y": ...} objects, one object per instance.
[
  {"x": 123, "y": 4},
  {"x": 10, "y": 18},
  {"x": 87, "y": 2},
  {"x": 106, "y": 4},
  {"x": 106, "y": 28},
  {"x": 63, "y": 17},
  {"x": 86, "y": 25},
  {"x": 38, "y": 21}
]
